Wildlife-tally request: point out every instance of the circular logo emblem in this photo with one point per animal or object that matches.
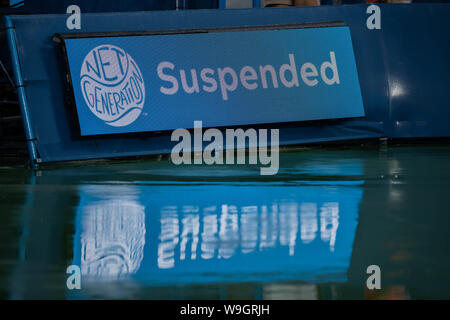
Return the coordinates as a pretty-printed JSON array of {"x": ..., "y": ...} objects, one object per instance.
[{"x": 112, "y": 85}]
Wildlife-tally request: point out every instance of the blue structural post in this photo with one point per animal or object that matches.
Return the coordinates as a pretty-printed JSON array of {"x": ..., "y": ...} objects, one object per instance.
[
  {"x": 256, "y": 3},
  {"x": 222, "y": 4},
  {"x": 23, "y": 102}
]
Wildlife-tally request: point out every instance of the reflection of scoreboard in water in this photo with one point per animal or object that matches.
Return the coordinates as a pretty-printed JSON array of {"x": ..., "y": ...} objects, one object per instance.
[{"x": 217, "y": 232}]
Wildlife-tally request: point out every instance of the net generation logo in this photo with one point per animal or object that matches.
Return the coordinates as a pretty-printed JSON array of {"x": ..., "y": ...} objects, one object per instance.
[{"x": 112, "y": 85}]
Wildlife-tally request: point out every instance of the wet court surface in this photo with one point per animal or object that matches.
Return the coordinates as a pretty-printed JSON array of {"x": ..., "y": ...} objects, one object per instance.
[{"x": 151, "y": 230}]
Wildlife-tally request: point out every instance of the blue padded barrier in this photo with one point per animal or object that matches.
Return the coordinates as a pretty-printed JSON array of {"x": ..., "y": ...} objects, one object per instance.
[{"x": 403, "y": 71}]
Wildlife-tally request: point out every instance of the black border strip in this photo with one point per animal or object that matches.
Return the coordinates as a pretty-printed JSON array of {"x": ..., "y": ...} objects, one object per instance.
[{"x": 305, "y": 25}]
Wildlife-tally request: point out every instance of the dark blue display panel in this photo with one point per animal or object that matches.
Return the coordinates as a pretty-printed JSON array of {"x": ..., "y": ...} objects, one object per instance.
[{"x": 164, "y": 82}]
